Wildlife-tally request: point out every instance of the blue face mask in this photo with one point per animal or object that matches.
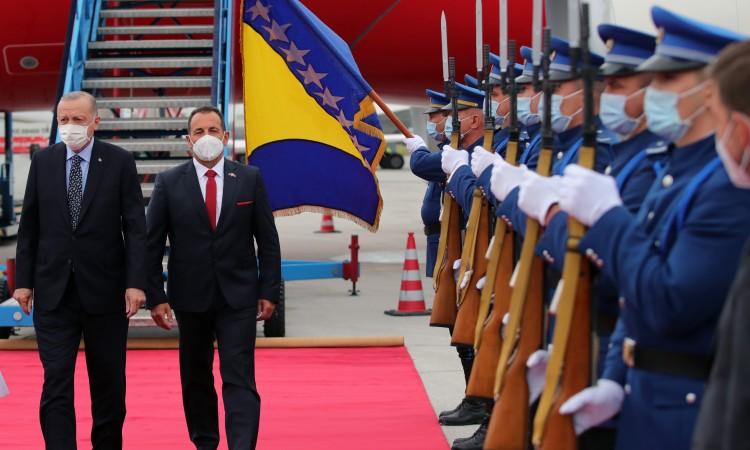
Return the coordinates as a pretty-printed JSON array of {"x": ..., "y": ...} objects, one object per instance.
[
  {"x": 433, "y": 132},
  {"x": 613, "y": 115},
  {"x": 525, "y": 116},
  {"x": 449, "y": 126},
  {"x": 662, "y": 115},
  {"x": 560, "y": 122}
]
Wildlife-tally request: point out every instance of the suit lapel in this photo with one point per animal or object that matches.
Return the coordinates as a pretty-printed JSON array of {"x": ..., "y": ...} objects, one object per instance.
[
  {"x": 96, "y": 168},
  {"x": 229, "y": 192},
  {"x": 193, "y": 189},
  {"x": 61, "y": 154}
]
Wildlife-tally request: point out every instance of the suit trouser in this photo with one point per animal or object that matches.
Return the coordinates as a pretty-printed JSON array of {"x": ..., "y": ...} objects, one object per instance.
[
  {"x": 234, "y": 330},
  {"x": 105, "y": 335}
]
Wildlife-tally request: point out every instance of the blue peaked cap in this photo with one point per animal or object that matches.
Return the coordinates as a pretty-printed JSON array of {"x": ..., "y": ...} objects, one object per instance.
[
  {"x": 627, "y": 49},
  {"x": 468, "y": 97},
  {"x": 685, "y": 43},
  {"x": 527, "y": 74},
  {"x": 437, "y": 101},
  {"x": 561, "y": 68}
]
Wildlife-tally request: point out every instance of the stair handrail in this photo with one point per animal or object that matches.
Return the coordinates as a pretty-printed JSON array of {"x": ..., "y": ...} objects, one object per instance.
[
  {"x": 81, "y": 31},
  {"x": 221, "y": 76}
]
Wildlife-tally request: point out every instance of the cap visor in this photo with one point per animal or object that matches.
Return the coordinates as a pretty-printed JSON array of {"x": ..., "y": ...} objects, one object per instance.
[
  {"x": 613, "y": 69},
  {"x": 659, "y": 63}
]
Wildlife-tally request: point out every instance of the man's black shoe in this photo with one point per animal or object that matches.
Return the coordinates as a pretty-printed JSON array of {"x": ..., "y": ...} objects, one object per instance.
[
  {"x": 475, "y": 442},
  {"x": 470, "y": 412}
]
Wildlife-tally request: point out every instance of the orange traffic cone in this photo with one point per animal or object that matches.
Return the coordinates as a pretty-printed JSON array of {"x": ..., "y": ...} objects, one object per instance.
[
  {"x": 326, "y": 225},
  {"x": 411, "y": 298}
]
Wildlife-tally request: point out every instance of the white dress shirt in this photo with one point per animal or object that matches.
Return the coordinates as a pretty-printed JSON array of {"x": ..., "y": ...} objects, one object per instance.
[{"x": 201, "y": 170}]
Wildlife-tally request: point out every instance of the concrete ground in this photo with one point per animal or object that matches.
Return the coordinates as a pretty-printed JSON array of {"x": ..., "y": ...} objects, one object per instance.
[{"x": 325, "y": 308}]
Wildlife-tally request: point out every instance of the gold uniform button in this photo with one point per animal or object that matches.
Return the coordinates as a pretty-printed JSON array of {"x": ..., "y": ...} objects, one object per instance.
[
  {"x": 667, "y": 181},
  {"x": 651, "y": 215},
  {"x": 560, "y": 155},
  {"x": 608, "y": 170},
  {"x": 690, "y": 398}
]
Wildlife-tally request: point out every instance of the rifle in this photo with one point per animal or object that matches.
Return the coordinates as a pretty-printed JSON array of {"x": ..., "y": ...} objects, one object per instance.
[
  {"x": 570, "y": 366},
  {"x": 476, "y": 240},
  {"x": 509, "y": 423},
  {"x": 444, "y": 307},
  {"x": 500, "y": 267}
]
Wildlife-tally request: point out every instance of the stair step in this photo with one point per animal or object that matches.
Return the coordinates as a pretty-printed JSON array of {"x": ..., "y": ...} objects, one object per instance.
[
  {"x": 154, "y": 166},
  {"x": 148, "y": 63},
  {"x": 146, "y": 82},
  {"x": 156, "y": 12},
  {"x": 151, "y": 145},
  {"x": 151, "y": 44},
  {"x": 152, "y": 102},
  {"x": 152, "y": 123},
  {"x": 158, "y": 29}
]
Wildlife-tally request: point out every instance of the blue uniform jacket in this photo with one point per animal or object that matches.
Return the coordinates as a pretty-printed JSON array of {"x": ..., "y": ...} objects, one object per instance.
[{"x": 671, "y": 293}]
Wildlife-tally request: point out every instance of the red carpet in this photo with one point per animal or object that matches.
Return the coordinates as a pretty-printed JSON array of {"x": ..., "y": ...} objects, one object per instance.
[{"x": 359, "y": 398}]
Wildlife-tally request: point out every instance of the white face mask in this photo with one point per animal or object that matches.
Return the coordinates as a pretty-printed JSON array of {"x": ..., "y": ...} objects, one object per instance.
[
  {"x": 74, "y": 136},
  {"x": 737, "y": 171},
  {"x": 208, "y": 148}
]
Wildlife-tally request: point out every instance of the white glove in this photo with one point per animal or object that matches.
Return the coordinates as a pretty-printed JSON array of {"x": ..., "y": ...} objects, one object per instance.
[
  {"x": 453, "y": 159},
  {"x": 594, "y": 405},
  {"x": 505, "y": 177},
  {"x": 538, "y": 194},
  {"x": 3, "y": 387},
  {"x": 536, "y": 373},
  {"x": 480, "y": 160},
  {"x": 481, "y": 282},
  {"x": 456, "y": 269},
  {"x": 414, "y": 143},
  {"x": 506, "y": 319},
  {"x": 587, "y": 195}
]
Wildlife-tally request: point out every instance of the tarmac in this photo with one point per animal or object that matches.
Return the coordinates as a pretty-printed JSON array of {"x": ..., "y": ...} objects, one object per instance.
[{"x": 325, "y": 307}]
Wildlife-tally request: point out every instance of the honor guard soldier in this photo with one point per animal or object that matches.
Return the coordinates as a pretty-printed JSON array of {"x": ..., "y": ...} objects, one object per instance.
[
  {"x": 673, "y": 261},
  {"x": 436, "y": 120},
  {"x": 429, "y": 166}
]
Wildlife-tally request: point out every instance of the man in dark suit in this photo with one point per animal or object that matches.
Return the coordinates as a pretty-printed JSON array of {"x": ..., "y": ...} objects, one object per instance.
[
  {"x": 212, "y": 209},
  {"x": 80, "y": 252},
  {"x": 724, "y": 415}
]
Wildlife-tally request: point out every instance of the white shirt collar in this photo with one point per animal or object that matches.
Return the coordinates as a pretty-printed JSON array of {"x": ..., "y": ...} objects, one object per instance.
[
  {"x": 201, "y": 170},
  {"x": 85, "y": 153}
]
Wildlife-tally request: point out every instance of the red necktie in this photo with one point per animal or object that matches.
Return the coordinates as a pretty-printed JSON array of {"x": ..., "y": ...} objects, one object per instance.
[{"x": 211, "y": 197}]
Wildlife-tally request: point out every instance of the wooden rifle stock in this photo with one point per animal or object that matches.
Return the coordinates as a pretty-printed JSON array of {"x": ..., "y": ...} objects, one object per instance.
[
  {"x": 521, "y": 338},
  {"x": 509, "y": 423},
  {"x": 497, "y": 285},
  {"x": 444, "y": 307},
  {"x": 569, "y": 368},
  {"x": 476, "y": 242}
]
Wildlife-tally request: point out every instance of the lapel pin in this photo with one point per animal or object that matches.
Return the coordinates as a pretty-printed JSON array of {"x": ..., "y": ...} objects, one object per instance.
[
  {"x": 99, "y": 159},
  {"x": 231, "y": 174}
]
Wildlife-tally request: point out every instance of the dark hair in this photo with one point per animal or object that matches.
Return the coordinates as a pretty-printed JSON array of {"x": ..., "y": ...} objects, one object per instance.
[
  {"x": 731, "y": 73},
  {"x": 205, "y": 110}
]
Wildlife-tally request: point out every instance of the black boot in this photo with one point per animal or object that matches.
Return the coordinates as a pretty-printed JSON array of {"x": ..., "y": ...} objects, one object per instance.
[
  {"x": 475, "y": 442},
  {"x": 471, "y": 411},
  {"x": 452, "y": 411}
]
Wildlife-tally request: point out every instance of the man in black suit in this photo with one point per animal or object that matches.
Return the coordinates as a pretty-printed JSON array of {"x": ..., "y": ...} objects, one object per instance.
[
  {"x": 212, "y": 209},
  {"x": 80, "y": 252}
]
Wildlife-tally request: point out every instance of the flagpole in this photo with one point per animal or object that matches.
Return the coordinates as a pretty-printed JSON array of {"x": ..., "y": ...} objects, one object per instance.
[{"x": 390, "y": 114}]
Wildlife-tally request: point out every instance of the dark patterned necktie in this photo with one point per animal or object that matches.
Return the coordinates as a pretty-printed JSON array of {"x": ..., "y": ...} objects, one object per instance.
[{"x": 75, "y": 190}]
